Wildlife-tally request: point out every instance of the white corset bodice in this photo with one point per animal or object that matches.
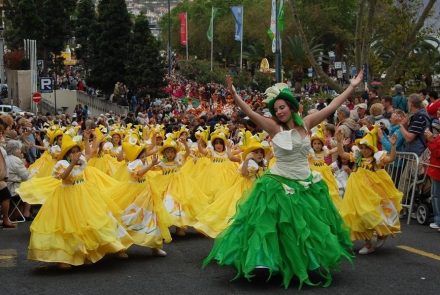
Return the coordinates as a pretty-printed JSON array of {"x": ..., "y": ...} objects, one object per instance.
[{"x": 291, "y": 150}]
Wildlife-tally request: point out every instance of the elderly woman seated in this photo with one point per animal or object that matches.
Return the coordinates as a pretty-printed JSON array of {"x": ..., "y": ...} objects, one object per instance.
[{"x": 17, "y": 174}]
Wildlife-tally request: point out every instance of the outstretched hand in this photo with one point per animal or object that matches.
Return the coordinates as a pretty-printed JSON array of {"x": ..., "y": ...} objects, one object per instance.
[
  {"x": 154, "y": 160},
  {"x": 230, "y": 84},
  {"x": 358, "y": 79}
]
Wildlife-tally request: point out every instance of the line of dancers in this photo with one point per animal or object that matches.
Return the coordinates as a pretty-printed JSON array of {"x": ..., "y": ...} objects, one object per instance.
[{"x": 271, "y": 200}]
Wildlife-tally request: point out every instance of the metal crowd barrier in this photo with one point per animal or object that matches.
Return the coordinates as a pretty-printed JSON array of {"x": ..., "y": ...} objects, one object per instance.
[{"x": 404, "y": 172}]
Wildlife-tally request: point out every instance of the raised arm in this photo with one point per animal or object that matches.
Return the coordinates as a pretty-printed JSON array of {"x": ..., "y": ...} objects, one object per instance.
[
  {"x": 267, "y": 124},
  {"x": 340, "y": 145},
  {"x": 74, "y": 160},
  {"x": 231, "y": 156},
  {"x": 314, "y": 119},
  {"x": 388, "y": 159}
]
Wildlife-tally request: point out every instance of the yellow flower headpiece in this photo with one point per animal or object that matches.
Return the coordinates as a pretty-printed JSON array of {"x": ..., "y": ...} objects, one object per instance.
[
  {"x": 131, "y": 149},
  {"x": 169, "y": 142},
  {"x": 252, "y": 143},
  {"x": 369, "y": 139},
  {"x": 68, "y": 143},
  {"x": 203, "y": 134},
  {"x": 319, "y": 134}
]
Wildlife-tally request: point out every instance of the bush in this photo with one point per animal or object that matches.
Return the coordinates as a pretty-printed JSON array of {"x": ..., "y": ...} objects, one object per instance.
[
  {"x": 262, "y": 81},
  {"x": 200, "y": 71}
]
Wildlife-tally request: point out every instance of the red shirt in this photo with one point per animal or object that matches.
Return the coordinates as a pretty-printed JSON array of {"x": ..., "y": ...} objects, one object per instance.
[
  {"x": 434, "y": 148},
  {"x": 432, "y": 108}
]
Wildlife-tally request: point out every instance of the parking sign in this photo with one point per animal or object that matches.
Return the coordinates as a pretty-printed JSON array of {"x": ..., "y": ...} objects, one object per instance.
[{"x": 46, "y": 85}]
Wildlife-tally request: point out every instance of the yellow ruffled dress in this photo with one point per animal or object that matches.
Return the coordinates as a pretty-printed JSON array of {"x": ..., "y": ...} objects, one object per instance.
[
  {"x": 74, "y": 225},
  {"x": 219, "y": 174},
  {"x": 143, "y": 216},
  {"x": 180, "y": 194},
  {"x": 43, "y": 166},
  {"x": 317, "y": 163},
  {"x": 371, "y": 203},
  {"x": 35, "y": 191},
  {"x": 217, "y": 216},
  {"x": 105, "y": 163}
]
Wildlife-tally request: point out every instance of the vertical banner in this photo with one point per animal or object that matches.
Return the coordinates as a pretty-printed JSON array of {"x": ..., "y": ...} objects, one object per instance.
[
  {"x": 272, "y": 30},
  {"x": 274, "y": 18},
  {"x": 237, "y": 12},
  {"x": 183, "y": 35},
  {"x": 210, "y": 33}
]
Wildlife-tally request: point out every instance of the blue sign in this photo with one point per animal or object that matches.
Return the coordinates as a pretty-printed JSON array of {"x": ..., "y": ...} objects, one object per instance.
[{"x": 46, "y": 85}]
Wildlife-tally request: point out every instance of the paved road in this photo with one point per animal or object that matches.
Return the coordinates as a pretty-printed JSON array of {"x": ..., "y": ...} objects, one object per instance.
[{"x": 408, "y": 264}]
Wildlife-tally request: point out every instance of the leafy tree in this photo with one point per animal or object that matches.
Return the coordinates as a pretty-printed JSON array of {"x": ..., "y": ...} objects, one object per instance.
[
  {"x": 111, "y": 47},
  {"x": 22, "y": 22},
  {"x": 56, "y": 29},
  {"x": 84, "y": 26},
  {"x": 145, "y": 67}
]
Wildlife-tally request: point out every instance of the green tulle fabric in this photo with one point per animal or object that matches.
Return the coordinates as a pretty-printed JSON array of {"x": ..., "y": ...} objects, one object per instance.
[{"x": 290, "y": 227}]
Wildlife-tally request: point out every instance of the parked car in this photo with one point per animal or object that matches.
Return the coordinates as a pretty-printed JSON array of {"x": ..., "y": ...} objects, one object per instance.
[{"x": 7, "y": 108}]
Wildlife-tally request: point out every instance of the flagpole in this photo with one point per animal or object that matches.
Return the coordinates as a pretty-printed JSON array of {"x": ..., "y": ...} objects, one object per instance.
[
  {"x": 277, "y": 46},
  {"x": 241, "y": 37},
  {"x": 186, "y": 34},
  {"x": 212, "y": 37}
]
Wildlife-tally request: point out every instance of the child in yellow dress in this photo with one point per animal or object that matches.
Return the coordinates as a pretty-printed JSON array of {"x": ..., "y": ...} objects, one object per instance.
[
  {"x": 221, "y": 172},
  {"x": 217, "y": 216},
  {"x": 96, "y": 155},
  {"x": 144, "y": 215},
  {"x": 43, "y": 166},
  {"x": 371, "y": 203},
  {"x": 317, "y": 163},
  {"x": 181, "y": 195},
  {"x": 74, "y": 226}
]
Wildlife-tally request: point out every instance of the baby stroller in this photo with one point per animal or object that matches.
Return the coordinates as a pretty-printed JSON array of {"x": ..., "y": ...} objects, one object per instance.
[{"x": 423, "y": 211}]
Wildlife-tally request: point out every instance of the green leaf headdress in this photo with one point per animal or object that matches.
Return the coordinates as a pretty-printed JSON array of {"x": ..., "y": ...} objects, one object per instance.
[{"x": 282, "y": 91}]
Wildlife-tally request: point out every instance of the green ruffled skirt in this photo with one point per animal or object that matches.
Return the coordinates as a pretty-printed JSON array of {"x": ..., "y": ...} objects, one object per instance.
[{"x": 290, "y": 227}]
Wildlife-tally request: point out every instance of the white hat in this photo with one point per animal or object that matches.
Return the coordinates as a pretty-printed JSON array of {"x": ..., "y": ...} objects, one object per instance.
[{"x": 361, "y": 106}]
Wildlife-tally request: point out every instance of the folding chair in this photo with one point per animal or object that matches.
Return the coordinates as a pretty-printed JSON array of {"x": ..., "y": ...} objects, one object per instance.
[{"x": 15, "y": 203}]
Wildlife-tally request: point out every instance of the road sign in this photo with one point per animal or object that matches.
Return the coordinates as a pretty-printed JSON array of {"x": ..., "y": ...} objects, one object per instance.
[
  {"x": 46, "y": 85},
  {"x": 36, "y": 97}
]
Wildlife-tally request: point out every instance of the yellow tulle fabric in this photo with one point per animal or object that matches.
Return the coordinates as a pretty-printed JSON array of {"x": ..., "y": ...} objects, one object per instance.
[
  {"x": 180, "y": 194},
  {"x": 328, "y": 177},
  {"x": 43, "y": 166},
  {"x": 143, "y": 216},
  {"x": 105, "y": 163},
  {"x": 371, "y": 204},
  {"x": 75, "y": 225},
  {"x": 219, "y": 174},
  {"x": 35, "y": 191},
  {"x": 216, "y": 217}
]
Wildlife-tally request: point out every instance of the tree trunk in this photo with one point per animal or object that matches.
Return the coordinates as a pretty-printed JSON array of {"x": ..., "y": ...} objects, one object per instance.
[
  {"x": 408, "y": 45},
  {"x": 323, "y": 76},
  {"x": 358, "y": 36},
  {"x": 366, "y": 38}
]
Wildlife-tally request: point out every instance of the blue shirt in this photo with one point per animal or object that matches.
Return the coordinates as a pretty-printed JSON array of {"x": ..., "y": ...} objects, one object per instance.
[
  {"x": 394, "y": 130},
  {"x": 400, "y": 102}
]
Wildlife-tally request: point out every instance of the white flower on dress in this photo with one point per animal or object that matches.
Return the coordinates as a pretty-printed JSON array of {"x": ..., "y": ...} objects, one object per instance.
[
  {"x": 289, "y": 190},
  {"x": 305, "y": 184}
]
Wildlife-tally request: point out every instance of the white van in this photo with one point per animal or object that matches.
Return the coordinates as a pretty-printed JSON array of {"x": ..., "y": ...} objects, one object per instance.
[{"x": 7, "y": 108}]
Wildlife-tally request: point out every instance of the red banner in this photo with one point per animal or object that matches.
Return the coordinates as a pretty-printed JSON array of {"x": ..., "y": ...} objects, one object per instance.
[{"x": 183, "y": 36}]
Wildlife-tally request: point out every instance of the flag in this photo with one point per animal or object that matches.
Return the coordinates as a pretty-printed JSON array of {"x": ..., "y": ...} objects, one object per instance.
[
  {"x": 272, "y": 30},
  {"x": 210, "y": 32},
  {"x": 183, "y": 37},
  {"x": 237, "y": 12}
]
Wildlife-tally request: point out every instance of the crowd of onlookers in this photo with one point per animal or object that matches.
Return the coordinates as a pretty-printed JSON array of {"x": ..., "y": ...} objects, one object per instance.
[{"x": 413, "y": 118}]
